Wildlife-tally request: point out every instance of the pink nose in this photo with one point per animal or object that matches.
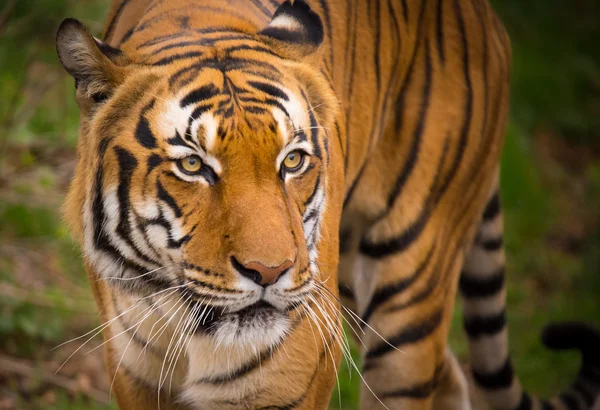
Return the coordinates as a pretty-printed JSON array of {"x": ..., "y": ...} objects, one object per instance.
[{"x": 259, "y": 273}]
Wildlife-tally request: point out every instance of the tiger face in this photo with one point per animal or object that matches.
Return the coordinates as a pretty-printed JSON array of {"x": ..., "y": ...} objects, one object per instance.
[{"x": 203, "y": 179}]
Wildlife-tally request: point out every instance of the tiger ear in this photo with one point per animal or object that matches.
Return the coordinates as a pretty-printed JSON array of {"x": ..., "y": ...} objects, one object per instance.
[
  {"x": 91, "y": 62},
  {"x": 295, "y": 30}
]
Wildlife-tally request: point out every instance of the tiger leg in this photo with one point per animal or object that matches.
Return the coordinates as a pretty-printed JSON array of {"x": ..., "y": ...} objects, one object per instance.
[
  {"x": 405, "y": 301},
  {"x": 453, "y": 390}
]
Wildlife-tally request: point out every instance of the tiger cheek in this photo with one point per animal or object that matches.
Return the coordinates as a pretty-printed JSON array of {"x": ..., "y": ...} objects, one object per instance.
[{"x": 301, "y": 188}]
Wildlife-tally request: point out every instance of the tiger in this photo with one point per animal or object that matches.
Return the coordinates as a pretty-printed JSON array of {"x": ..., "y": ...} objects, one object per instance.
[{"x": 253, "y": 174}]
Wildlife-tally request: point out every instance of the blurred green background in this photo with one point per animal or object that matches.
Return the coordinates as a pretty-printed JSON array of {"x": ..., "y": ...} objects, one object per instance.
[{"x": 550, "y": 191}]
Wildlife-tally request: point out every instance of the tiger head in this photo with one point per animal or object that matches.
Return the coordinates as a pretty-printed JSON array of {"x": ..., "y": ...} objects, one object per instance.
[{"x": 203, "y": 168}]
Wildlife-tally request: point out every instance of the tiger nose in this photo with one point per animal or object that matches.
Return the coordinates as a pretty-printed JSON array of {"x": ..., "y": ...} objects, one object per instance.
[{"x": 259, "y": 273}]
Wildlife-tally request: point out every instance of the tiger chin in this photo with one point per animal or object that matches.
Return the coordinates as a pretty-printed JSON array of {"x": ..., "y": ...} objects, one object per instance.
[{"x": 246, "y": 167}]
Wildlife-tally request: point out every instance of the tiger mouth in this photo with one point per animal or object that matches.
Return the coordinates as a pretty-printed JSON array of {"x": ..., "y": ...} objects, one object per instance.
[{"x": 261, "y": 310}]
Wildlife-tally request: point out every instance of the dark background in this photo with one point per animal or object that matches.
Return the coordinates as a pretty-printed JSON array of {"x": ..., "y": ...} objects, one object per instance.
[{"x": 550, "y": 191}]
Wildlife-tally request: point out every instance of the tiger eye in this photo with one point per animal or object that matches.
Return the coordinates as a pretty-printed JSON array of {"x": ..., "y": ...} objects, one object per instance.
[
  {"x": 293, "y": 161},
  {"x": 191, "y": 164}
]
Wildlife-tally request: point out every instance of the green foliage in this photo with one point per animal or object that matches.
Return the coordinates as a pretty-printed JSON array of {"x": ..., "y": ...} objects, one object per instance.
[
  {"x": 556, "y": 65},
  {"x": 64, "y": 402}
]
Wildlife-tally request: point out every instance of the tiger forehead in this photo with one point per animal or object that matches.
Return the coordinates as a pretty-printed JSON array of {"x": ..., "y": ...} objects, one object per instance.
[{"x": 223, "y": 111}]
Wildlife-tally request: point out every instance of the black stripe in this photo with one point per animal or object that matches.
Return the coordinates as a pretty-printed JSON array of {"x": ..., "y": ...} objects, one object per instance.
[
  {"x": 394, "y": 46},
  {"x": 143, "y": 133},
  {"x": 314, "y": 133},
  {"x": 111, "y": 25},
  {"x": 262, "y": 102},
  {"x": 157, "y": 40},
  {"x": 164, "y": 196},
  {"x": 472, "y": 286},
  {"x": 477, "y": 326},
  {"x": 491, "y": 245},
  {"x": 241, "y": 371},
  {"x": 499, "y": 379},
  {"x": 138, "y": 381},
  {"x": 492, "y": 209},
  {"x": 264, "y": 10},
  {"x": 327, "y": 16},
  {"x": 417, "y": 298},
  {"x": 153, "y": 161},
  {"x": 199, "y": 42},
  {"x": 345, "y": 240},
  {"x": 354, "y": 184},
  {"x": 297, "y": 402},
  {"x": 198, "y": 111},
  {"x": 177, "y": 140},
  {"x": 377, "y": 28},
  {"x": 111, "y": 52},
  {"x": 269, "y": 89},
  {"x": 256, "y": 48},
  {"x": 410, "y": 234},
  {"x": 126, "y": 36},
  {"x": 525, "y": 403},
  {"x": 314, "y": 192},
  {"x": 101, "y": 240},
  {"x": 199, "y": 95},
  {"x": 396, "y": 244},
  {"x": 440, "y": 32},
  {"x": 570, "y": 400},
  {"x": 416, "y": 138},
  {"x": 405, "y": 10},
  {"x": 410, "y": 334},
  {"x": 468, "y": 107},
  {"x": 177, "y": 57},
  {"x": 419, "y": 391},
  {"x": 382, "y": 295},
  {"x": 127, "y": 165},
  {"x": 225, "y": 65}
]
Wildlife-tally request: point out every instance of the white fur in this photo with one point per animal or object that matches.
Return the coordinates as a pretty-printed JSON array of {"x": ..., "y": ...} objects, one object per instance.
[
  {"x": 210, "y": 124},
  {"x": 173, "y": 117},
  {"x": 282, "y": 125},
  {"x": 286, "y": 22}
]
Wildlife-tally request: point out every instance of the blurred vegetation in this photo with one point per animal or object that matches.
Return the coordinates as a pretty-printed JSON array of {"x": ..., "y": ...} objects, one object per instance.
[{"x": 550, "y": 191}]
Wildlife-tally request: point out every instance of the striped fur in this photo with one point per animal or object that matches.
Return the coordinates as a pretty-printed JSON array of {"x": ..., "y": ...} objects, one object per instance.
[{"x": 397, "y": 107}]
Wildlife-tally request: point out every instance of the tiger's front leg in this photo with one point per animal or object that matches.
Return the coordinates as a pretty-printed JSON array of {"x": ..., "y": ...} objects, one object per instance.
[{"x": 405, "y": 301}]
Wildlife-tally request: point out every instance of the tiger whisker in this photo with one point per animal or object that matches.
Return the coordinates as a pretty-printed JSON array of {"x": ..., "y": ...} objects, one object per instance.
[
  {"x": 326, "y": 347},
  {"x": 147, "y": 312},
  {"x": 135, "y": 277},
  {"x": 100, "y": 329},
  {"x": 160, "y": 379},
  {"x": 331, "y": 303},
  {"x": 111, "y": 320},
  {"x": 182, "y": 343},
  {"x": 161, "y": 330},
  {"x": 346, "y": 351},
  {"x": 351, "y": 313}
]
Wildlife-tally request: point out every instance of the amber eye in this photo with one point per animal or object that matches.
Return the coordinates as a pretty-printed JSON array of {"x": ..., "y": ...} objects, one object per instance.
[
  {"x": 191, "y": 164},
  {"x": 293, "y": 161}
]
